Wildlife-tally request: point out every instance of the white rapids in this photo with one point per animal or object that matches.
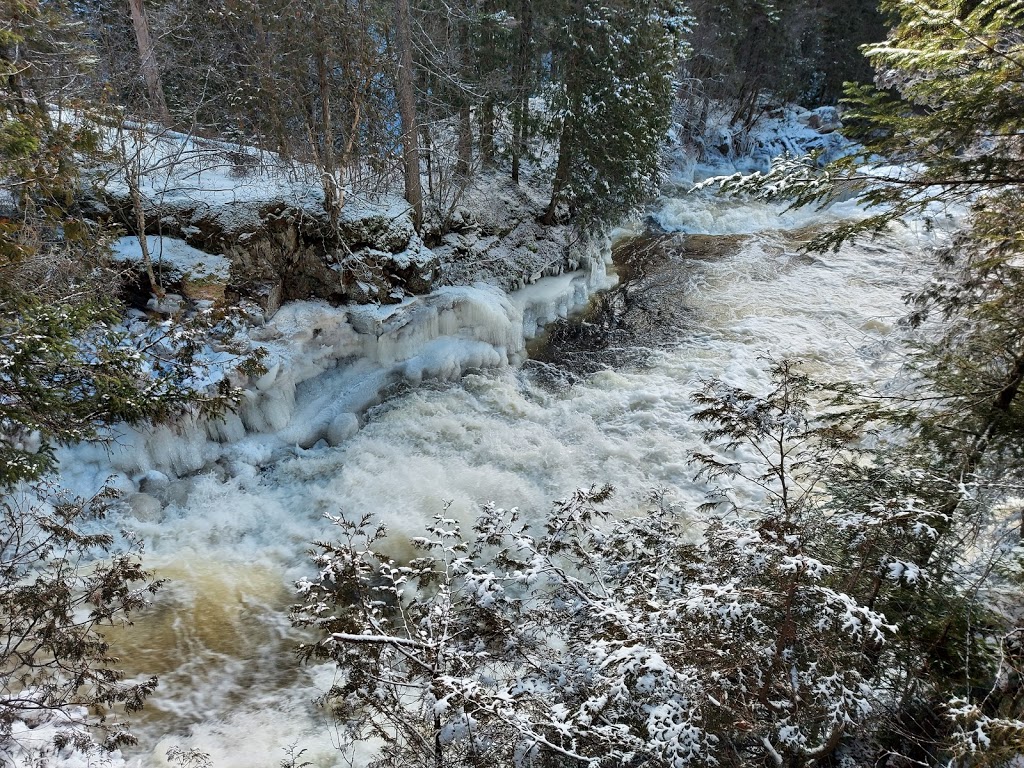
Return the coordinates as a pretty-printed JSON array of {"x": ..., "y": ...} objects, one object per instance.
[{"x": 435, "y": 410}]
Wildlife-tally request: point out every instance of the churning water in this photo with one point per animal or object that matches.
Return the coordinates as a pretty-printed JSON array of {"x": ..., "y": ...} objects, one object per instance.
[{"x": 232, "y": 538}]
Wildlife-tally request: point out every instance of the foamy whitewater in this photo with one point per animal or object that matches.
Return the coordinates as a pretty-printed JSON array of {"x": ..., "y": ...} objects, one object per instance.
[{"x": 395, "y": 411}]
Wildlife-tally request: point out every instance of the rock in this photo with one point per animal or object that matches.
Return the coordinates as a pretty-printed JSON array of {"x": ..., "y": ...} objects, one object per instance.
[
  {"x": 723, "y": 142},
  {"x": 200, "y": 276},
  {"x": 344, "y": 426},
  {"x": 462, "y": 219},
  {"x": 178, "y": 492},
  {"x": 280, "y": 244},
  {"x": 827, "y": 120},
  {"x": 144, "y": 507},
  {"x": 267, "y": 296},
  {"x": 170, "y": 304},
  {"x": 388, "y": 229},
  {"x": 279, "y": 250},
  {"x": 120, "y": 482},
  {"x": 202, "y": 290},
  {"x": 273, "y": 300},
  {"x": 153, "y": 482}
]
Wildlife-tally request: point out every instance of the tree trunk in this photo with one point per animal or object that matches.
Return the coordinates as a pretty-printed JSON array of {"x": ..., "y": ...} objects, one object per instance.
[
  {"x": 427, "y": 149},
  {"x": 132, "y": 175},
  {"x": 487, "y": 132},
  {"x": 465, "y": 134},
  {"x": 148, "y": 62},
  {"x": 488, "y": 42},
  {"x": 562, "y": 171},
  {"x": 523, "y": 67},
  {"x": 465, "y": 161},
  {"x": 407, "y": 111},
  {"x": 574, "y": 98},
  {"x": 269, "y": 92},
  {"x": 332, "y": 189}
]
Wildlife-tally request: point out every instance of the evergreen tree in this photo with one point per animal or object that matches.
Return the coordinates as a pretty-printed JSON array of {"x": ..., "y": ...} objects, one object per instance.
[
  {"x": 64, "y": 371},
  {"x": 616, "y": 66},
  {"x": 946, "y": 107},
  {"x": 751, "y": 55},
  {"x": 806, "y": 626}
]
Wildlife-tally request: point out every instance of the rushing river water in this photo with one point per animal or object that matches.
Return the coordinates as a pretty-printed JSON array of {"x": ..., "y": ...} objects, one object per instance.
[{"x": 231, "y": 544}]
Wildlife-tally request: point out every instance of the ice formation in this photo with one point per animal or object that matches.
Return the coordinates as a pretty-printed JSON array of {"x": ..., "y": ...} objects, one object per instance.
[
  {"x": 227, "y": 507},
  {"x": 326, "y": 365}
]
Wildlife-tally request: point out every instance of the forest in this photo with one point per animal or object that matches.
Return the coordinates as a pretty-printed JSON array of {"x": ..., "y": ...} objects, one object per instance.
[{"x": 241, "y": 240}]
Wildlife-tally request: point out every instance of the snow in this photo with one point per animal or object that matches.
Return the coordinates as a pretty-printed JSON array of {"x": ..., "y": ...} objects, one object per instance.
[
  {"x": 183, "y": 170},
  {"x": 32, "y": 743},
  {"x": 219, "y": 196},
  {"x": 174, "y": 254}
]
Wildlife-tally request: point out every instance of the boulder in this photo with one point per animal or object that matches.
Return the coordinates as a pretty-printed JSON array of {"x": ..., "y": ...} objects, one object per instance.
[{"x": 826, "y": 120}]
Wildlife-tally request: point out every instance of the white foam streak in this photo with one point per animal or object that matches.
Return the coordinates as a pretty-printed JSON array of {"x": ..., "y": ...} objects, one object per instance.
[{"x": 707, "y": 214}]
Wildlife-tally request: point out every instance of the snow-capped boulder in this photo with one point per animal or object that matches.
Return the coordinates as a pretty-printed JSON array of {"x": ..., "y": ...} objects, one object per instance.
[
  {"x": 827, "y": 119},
  {"x": 270, "y": 227},
  {"x": 199, "y": 275}
]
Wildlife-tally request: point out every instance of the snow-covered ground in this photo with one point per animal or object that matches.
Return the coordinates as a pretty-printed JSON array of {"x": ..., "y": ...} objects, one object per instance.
[{"x": 184, "y": 170}]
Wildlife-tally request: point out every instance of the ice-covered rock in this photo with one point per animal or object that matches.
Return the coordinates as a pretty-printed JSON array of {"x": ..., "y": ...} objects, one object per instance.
[
  {"x": 325, "y": 366},
  {"x": 724, "y": 147},
  {"x": 153, "y": 481},
  {"x": 827, "y": 120},
  {"x": 496, "y": 237},
  {"x": 143, "y": 506},
  {"x": 342, "y": 428}
]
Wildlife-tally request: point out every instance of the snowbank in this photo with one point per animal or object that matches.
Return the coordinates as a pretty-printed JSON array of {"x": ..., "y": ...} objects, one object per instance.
[{"x": 267, "y": 218}]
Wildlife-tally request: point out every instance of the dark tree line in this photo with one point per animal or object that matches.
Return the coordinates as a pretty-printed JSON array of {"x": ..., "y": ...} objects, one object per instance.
[
  {"x": 371, "y": 92},
  {"x": 426, "y": 94}
]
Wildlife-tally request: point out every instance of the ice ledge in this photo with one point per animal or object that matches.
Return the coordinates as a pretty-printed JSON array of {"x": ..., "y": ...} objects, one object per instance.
[{"x": 327, "y": 365}]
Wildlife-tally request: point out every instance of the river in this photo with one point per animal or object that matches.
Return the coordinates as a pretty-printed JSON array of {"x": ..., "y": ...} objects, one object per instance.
[{"x": 231, "y": 543}]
